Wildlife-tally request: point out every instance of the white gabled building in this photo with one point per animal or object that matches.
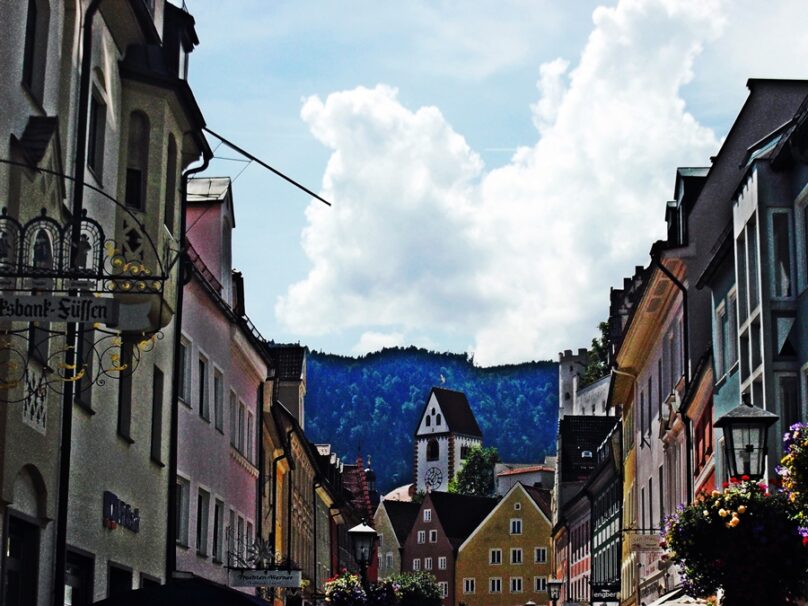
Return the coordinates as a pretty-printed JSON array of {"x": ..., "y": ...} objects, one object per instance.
[{"x": 447, "y": 431}]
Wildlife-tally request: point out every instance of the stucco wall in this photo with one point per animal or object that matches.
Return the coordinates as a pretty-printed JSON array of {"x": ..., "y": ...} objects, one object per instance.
[{"x": 494, "y": 532}]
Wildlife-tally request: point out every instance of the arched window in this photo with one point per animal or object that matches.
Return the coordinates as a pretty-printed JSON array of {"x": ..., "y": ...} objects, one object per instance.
[
  {"x": 171, "y": 183},
  {"x": 437, "y": 419},
  {"x": 137, "y": 160},
  {"x": 43, "y": 251},
  {"x": 36, "y": 47},
  {"x": 428, "y": 420},
  {"x": 432, "y": 450}
]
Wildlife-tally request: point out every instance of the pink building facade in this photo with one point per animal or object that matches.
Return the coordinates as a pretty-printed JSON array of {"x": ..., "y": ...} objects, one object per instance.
[{"x": 223, "y": 379}]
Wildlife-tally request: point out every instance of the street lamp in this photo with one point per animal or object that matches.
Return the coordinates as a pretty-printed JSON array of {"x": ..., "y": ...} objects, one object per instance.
[
  {"x": 745, "y": 438},
  {"x": 530, "y": 603},
  {"x": 554, "y": 589},
  {"x": 363, "y": 537}
]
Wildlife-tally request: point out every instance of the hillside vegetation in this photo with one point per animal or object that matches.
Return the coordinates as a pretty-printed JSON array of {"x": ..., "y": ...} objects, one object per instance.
[{"x": 373, "y": 403}]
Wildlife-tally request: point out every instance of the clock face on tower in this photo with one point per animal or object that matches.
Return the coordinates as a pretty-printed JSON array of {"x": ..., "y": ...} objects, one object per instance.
[{"x": 433, "y": 477}]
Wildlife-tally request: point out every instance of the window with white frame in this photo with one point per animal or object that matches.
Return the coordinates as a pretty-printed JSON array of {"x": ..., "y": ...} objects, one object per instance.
[
  {"x": 442, "y": 563},
  {"x": 233, "y": 419},
  {"x": 218, "y": 531},
  {"x": 421, "y": 537},
  {"x": 185, "y": 372},
  {"x": 183, "y": 488},
  {"x": 433, "y": 536},
  {"x": 240, "y": 536},
  {"x": 427, "y": 563},
  {"x": 788, "y": 399},
  {"x": 469, "y": 585},
  {"x": 250, "y": 437},
  {"x": 517, "y": 506},
  {"x": 781, "y": 263},
  {"x": 388, "y": 559},
  {"x": 416, "y": 564},
  {"x": 495, "y": 556},
  {"x": 540, "y": 555},
  {"x": 516, "y": 555},
  {"x": 137, "y": 161},
  {"x": 202, "y": 514},
  {"x": 96, "y": 135},
  {"x": 495, "y": 585},
  {"x": 36, "y": 47},
  {"x": 218, "y": 400},
  {"x": 202, "y": 387},
  {"x": 443, "y": 587},
  {"x": 726, "y": 329},
  {"x": 516, "y": 526},
  {"x": 427, "y": 515},
  {"x": 240, "y": 428},
  {"x": 539, "y": 584},
  {"x": 516, "y": 585}
]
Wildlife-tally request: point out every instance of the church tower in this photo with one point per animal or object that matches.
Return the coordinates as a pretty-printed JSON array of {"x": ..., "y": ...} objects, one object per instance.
[{"x": 446, "y": 432}]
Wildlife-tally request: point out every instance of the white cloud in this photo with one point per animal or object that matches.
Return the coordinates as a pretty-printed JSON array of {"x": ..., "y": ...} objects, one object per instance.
[
  {"x": 375, "y": 341},
  {"x": 520, "y": 259}
]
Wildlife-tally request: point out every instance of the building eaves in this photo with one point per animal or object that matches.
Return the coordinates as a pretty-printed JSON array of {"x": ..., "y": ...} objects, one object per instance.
[{"x": 721, "y": 249}]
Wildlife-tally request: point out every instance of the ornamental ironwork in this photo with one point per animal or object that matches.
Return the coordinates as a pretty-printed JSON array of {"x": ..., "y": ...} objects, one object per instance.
[
  {"x": 36, "y": 256},
  {"x": 110, "y": 289}
]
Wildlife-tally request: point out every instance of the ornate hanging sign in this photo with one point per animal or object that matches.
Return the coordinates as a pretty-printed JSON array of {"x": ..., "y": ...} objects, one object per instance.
[
  {"x": 265, "y": 578},
  {"x": 81, "y": 310},
  {"x": 113, "y": 289}
]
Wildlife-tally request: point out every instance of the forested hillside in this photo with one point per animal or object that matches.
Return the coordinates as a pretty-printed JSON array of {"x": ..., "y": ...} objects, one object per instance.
[{"x": 374, "y": 402}]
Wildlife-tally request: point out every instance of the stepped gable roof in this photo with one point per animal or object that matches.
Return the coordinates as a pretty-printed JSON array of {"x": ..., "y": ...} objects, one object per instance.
[
  {"x": 456, "y": 411},
  {"x": 542, "y": 497},
  {"x": 402, "y": 516},
  {"x": 289, "y": 361},
  {"x": 460, "y": 514}
]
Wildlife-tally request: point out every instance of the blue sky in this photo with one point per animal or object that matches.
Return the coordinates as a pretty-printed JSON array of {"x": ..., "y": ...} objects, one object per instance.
[{"x": 494, "y": 166}]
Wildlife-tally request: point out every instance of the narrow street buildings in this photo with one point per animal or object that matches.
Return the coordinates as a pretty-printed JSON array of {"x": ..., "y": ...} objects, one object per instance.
[{"x": 97, "y": 118}]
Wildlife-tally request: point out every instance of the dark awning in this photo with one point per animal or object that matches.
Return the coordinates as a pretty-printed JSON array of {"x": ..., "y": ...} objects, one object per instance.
[{"x": 192, "y": 591}]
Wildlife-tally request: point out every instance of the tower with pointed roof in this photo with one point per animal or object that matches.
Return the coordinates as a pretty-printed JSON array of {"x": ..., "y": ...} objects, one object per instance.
[{"x": 446, "y": 432}]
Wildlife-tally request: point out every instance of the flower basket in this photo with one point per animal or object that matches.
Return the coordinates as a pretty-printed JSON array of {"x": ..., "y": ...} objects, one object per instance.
[{"x": 742, "y": 540}]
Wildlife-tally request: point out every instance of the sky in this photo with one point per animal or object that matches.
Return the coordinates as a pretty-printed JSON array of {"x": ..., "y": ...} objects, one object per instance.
[{"x": 494, "y": 168}]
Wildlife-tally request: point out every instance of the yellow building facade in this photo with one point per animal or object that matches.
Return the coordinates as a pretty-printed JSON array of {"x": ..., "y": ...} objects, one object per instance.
[{"x": 507, "y": 559}]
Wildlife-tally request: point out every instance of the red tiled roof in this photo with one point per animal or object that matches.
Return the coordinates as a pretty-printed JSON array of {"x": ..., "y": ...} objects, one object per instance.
[{"x": 520, "y": 470}]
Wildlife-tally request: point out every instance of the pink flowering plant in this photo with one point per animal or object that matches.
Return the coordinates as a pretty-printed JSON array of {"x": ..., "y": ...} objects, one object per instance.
[
  {"x": 793, "y": 471},
  {"x": 742, "y": 539},
  {"x": 345, "y": 589}
]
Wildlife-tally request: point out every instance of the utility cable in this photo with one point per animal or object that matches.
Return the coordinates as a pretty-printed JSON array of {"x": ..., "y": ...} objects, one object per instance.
[{"x": 247, "y": 154}]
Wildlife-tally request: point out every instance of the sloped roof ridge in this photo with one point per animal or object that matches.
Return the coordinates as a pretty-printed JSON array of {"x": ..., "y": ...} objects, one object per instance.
[{"x": 457, "y": 411}]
